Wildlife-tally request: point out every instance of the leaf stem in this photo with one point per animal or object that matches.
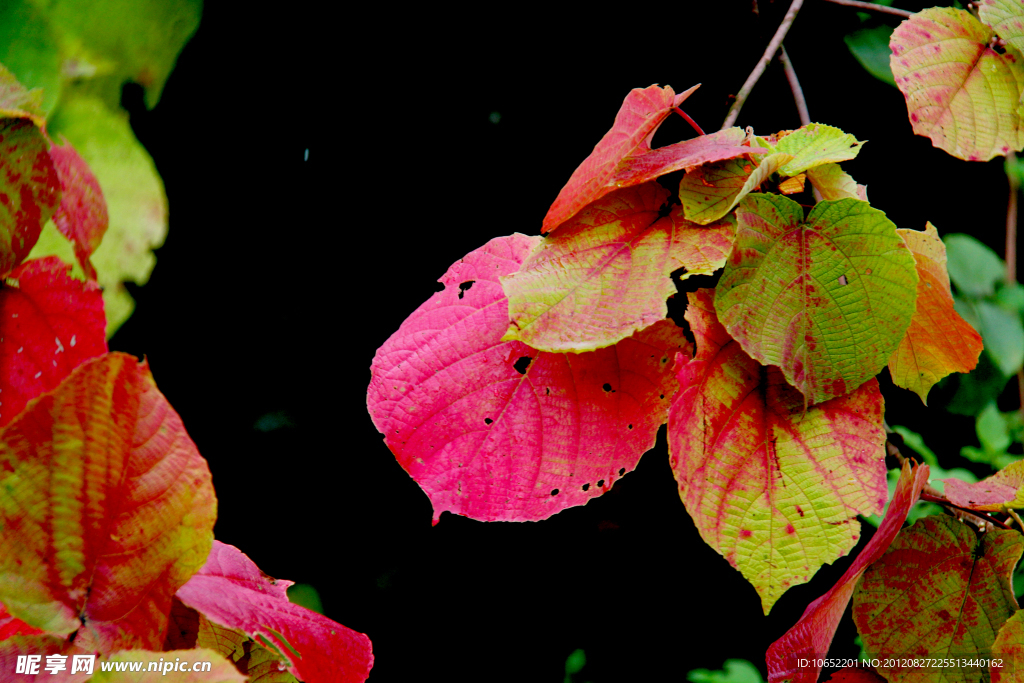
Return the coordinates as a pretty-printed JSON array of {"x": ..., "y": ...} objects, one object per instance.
[
  {"x": 1011, "y": 248},
  {"x": 872, "y": 7},
  {"x": 762, "y": 63},
  {"x": 688, "y": 120}
]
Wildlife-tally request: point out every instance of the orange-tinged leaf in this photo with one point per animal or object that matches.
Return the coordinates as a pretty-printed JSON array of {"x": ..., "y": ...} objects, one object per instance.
[
  {"x": 941, "y": 590},
  {"x": 29, "y": 189},
  {"x": 624, "y": 156},
  {"x": 109, "y": 508},
  {"x": 711, "y": 191},
  {"x": 793, "y": 185},
  {"x": 1009, "y": 649},
  {"x": 811, "y": 636},
  {"x": 938, "y": 340},
  {"x": 82, "y": 215},
  {"x": 605, "y": 273},
  {"x": 1003, "y": 490},
  {"x": 49, "y": 324},
  {"x": 960, "y": 92},
  {"x": 827, "y": 298},
  {"x": 835, "y": 183},
  {"x": 771, "y": 487}
]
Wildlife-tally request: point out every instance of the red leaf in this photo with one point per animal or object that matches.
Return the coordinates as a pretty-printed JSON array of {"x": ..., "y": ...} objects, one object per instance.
[
  {"x": 108, "y": 508},
  {"x": 231, "y": 591},
  {"x": 82, "y": 214},
  {"x": 498, "y": 431},
  {"x": 29, "y": 189},
  {"x": 49, "y": 324},
  {"x": 856, "y": 674},
  {"x": 624, "y": 157},
  {"x": 12, "y": 626},
  {"x": 812, "y": 635}
]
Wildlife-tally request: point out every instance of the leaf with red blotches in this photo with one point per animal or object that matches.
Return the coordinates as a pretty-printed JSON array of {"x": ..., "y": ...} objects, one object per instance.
[
  {"x": 941, "y": 590},
  {"x": 774, "y": 488},
  {"x": 960, "y": 91},
  {"x": 498, "y": 431},
  {"x": 624, "y": 156},
  {"x": 12, "y": 626},
  {"x": 108, "y": 508},
  {"x": 1003, "y": 490},
  {"x": 711, "y": 191},
  {"x": 49, "y": 324},
  {"x": 1009, "y": 650},
  {"x": 29, "y": 189},
  {"x": 1006, "y": 17},
  {"x": 82, "y": 215},
  {"x": 16, "y": 102},
  {"x": 827, "y": 298},
  {"x": 938, "y": 340},
  {"x": 606, "y": 273},
  {"x": 231, "y": 591},
  {"x": 811, "y": 636}
]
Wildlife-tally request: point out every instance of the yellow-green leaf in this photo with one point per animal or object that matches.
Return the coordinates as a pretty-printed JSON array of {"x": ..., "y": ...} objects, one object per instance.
[
  {"x": 710, "y": 191},
  {"x": 815, "y": 145}
]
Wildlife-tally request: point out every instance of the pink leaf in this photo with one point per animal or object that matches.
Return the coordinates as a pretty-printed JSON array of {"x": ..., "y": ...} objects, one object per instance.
[
  {"x": 49, "y": 324},
  {"x": 231, "y": 591},
  {"x": 624, "y": 157},
  {"x": 812, "y": 635},
  {"x": 500, "y": 431},
  {"x": 82, "y": 214}
]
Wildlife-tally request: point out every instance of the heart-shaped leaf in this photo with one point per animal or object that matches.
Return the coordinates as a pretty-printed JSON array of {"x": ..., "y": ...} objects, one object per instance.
[
  {"x": 605, "y": 273},
  {"x": 108, "y": 508},
  {"x": 827, "y": 299},
  {"x": 498, "y": 431},
  {"x": 938, "y": 340},
  {"x": 774, "y": 488},
  {"x": 960, "y": 92}
]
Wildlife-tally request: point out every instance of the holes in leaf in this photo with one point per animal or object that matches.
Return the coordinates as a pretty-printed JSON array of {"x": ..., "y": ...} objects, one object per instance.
[
  {"x": 622, "y": 471},
  {"x": 464, "y": 287},
  {"x": 607, "y": 387},
  {"x": 521, "y": 364},
  {"x": 664, "y": 360},
  {"x": 554, "y": 492},
  {"x": 600, "y": 483},
  {"x": 488, "y": 420},
  {"x": 585, "y": 486},
  {"x": 547, "y": 391},
  {"x": 662, "y": 396},
  {"x": 630, "y": 426},
  {"x": 842, "y": 280}
]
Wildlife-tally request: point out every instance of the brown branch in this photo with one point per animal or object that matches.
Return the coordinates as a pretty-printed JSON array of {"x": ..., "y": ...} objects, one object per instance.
[
  {"x": 872, "y": 7},
  {"x": 1011, "y": 247},
  {"x": 762, "y": 63},
  {"x": 794, "y": 85}
]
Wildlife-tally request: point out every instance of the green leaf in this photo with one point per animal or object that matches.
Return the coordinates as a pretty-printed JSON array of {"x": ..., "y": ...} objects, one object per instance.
[
  {"x": 975, "y": 389},
  {"x": 827, "y": 299},
  {"x": 1003, "y": 334},
  {"x": 712, "y": 190},
  {"x": 815, "y": 145},
  {"x": 734, "y": 671},
  {"x": 1006, "y": 17},
  {"x": 915, "y": 442},
  {"x": 835, "y": 183},
  {"x": 29, "y": 50},
  {"x": 993, "y": 431},
  {"x": 973, "y": 267},
  {"x": 1010, "y": 644},
  {"x": 136, "y": 202},
  {"x": 940, "y": 590},
  {"x": 575, "y": 662},
  {"x": 1011, "y": 297},
  {"x": 870, "y": 47},
  {"x": 123, "y": 40},
  {"x": 960, "y": 92}
]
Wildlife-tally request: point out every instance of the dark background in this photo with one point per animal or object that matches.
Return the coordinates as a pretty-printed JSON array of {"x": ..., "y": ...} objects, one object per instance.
[{"x": 281, "y": 277}]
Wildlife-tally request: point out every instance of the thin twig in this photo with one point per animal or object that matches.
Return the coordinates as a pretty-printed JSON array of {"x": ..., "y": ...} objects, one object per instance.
[
  {"x": 794, "y": 85},
  {"x": 872, "y": 7},
  {"x": 762, "y": 63},
  {"x": 1011, "y": 246}
]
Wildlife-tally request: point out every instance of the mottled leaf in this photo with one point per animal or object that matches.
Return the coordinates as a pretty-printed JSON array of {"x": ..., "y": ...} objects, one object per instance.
[
  {"x": 1009, "y": 647},
  {"x": 12, "y": 626},
  {"x": 812, "y": 635},
  {"x": 941, "y": 590},
  {"x": 870, "y": 47},
  {"x": 164, "y": 665},
  {"x": 135, "y": 198},
  {"x": 774, "y": 488},
  {"x": 835, "y": 183},
  {"x": 605, "y": 273},
  {"x": 15, "y": 101},
  {"x": 938, "y": 340},
  {"x": 40, "y": 645},
  {"x": 815, "y": 145},
  {"x": 1004, "y": 489},
  {"x": 827, "y": 299},
  {"x": 49, "y": 324},
  {"x": 624, "y": 157},
  {"x": 231, "y": 591},
  {"x": 711, "y": 191},
  {"x": 960, "y": 92},
  {"x": 109, "y": 507},
  {"x": 29, "y": 189},
  {"x": 973, "y": 267},
  {"x": 498, "y": 431},
  {"x": 1006, "y": 17},
  {"x": 82, "y": 215}
]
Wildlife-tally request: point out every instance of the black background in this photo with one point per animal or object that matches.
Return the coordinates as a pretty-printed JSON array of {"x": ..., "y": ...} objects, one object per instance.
[{"x": 280, "y": 278}]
